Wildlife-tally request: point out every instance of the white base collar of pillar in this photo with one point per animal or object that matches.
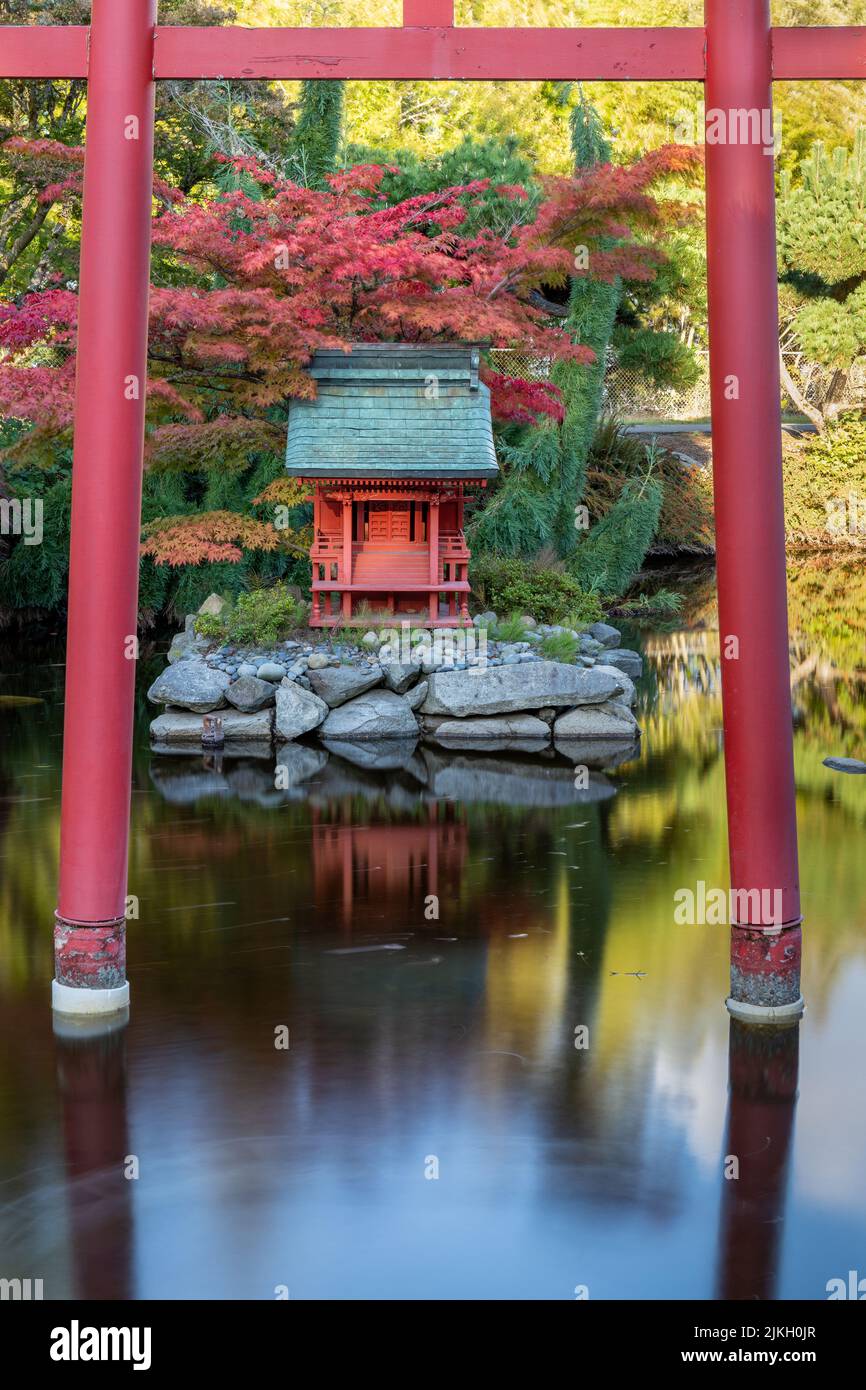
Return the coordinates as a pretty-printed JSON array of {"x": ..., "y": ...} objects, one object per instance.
[
  {"x": 67, "y": 999},
  {"x": 761, "y": 1013}
]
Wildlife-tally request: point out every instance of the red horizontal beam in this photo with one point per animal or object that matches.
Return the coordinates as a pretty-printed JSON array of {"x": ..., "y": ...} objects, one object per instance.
[
  {"x": 618, "y": 55},
  {"x": 43, "y": 50},
  {"x": 663, "y": 54},
  {"x": 819, "y": 53}
]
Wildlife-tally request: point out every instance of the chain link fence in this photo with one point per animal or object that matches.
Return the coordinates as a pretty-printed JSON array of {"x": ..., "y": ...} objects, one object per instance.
[{"x": 629, "y": 395}]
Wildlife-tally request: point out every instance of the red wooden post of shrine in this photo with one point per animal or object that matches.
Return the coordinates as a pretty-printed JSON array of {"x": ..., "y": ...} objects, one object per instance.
[
  {"x": 89, "y": 937},
  {"x": 749, "y": 509}
]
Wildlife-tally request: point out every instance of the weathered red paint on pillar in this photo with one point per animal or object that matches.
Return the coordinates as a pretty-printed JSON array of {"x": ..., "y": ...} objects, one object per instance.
[
  {"x": 106, "y": 480},
  {"x": 747, "y": 456}
]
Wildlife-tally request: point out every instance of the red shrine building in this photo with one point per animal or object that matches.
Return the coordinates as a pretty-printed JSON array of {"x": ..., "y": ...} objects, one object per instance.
[{"x": 396, "y": 437}]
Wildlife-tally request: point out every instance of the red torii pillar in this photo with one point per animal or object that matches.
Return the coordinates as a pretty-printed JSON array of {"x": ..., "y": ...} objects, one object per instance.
[{"x": 738, "y": 55}]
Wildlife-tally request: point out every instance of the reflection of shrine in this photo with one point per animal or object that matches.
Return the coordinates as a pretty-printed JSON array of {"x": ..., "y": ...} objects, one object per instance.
[{"x": 388, "y": 865}]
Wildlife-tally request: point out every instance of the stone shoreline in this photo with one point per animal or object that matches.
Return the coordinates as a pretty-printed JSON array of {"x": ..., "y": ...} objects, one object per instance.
[{"x": 481, "y": 694}]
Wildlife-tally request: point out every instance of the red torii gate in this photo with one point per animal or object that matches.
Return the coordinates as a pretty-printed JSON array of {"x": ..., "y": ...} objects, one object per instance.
[{"x": 738, "y": 55}]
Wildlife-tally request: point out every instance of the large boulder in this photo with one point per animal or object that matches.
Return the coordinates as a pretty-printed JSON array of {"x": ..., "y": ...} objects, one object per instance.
[
  {"x": 497, "y": 731},
  {"x": 608, "y": 720},
  {"x": 376, "y": 714},
  {"x": 250, "y": 694},
  {"x": 629, "y": 662},
  {"x": 190, "y": 685},
  {"x": 507, "y": 689},
  {"x": 399, "y": 675},
  {"x": 181, "y": 726},
  {"x": 298, "y": 711},
  {"x": 605, "y": 634},
  {"x": 337, "y": 684},
  {"x": 214, "y": 605},
  {"x": 628, "y": 694}
]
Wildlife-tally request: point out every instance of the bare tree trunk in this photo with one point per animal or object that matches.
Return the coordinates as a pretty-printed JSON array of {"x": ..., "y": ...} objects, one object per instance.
[{"x": 793, "y": 390}]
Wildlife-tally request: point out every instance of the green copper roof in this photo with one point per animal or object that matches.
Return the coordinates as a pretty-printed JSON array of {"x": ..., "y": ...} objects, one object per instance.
[{"x": 386, "y": 410}]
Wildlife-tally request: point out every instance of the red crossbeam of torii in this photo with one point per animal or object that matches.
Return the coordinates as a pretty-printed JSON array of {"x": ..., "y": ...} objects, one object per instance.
[{"x": 738, "y": 55}]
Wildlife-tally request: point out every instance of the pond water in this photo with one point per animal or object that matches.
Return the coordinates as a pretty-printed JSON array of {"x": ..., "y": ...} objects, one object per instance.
[{"x": 431, "y": 1130}]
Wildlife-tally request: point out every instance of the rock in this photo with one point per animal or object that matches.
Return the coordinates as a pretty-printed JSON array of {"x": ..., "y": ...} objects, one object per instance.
[
  {"x": 190, "y": 685},
  {"x": 249, "y": 694},
  {"x": 628, "y": 694},
  {"x": 496, "y": 732},
  {"x": 181, "y": 644},
  {"x": 337, "y": 684},
  {"x": 246, "y": 668},
  {"x": 370, "y": 640},
  {"x": 296, "y": 764},
  {"x": 488, "y": 619},
  {"x": 298, "y": 711},
  {"x": 528, "y": 620},
  {"x": 181, "y": 726},
  {"x": 399, "y": 675},
  {"x": 271, "y": 671},
  {"x": 377, "y": 714},
  {"x": 605, "y": 634},
  {"x": 845, "y": 764},
  {"x": 608, "y": 720},
  {"x": 317, "y": 661},
  {"x": 506, "y": 689},
  {"x": 213, "y": 604},
  {"x": 415, "y": 698},
  {"x": 629, "y": 662}
]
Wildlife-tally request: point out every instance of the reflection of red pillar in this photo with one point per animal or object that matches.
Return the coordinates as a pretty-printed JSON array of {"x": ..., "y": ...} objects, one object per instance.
[
  {"x": 106, "y": 507},
  {"x": 91, "y": 1074},
  {"x": 747, "y": 468},
  {"x": 763, "y": 1065}
]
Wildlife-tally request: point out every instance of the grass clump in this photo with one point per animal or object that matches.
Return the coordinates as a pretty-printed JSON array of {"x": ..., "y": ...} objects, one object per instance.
[
  {"x": 257, "y": 619},
  {"x": 560, "y": 646}
]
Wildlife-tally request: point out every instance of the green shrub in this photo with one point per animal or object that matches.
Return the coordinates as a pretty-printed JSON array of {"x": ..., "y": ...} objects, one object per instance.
[
  {"x": 511, "y": 585},
  {"x": 559, "y": 646},
  {"x": 258, "y": 618}
]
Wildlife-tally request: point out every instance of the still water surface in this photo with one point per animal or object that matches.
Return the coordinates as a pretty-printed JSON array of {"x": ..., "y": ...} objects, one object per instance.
[{"x": 311, "y": 1167}]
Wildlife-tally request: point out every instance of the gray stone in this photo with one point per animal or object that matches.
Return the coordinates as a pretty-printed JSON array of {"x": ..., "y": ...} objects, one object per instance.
[
  {"x": 181, "y": 644},
  {"x": 271, "y": 671},
  {"x": 624, "y": 660},
  {"x": 488, "y": 619},
  {"x": 845, "y": 764},
  {"x": 249, "y": 694},
  {"x": 399, "y": 675},
  {"x": 608, "y": 720},
  {"x": 605, "y": 634},
  {"x": 370, "y": 640},
  {"x": 298, "y": 711},
  {"x": 317, "y": 661},
  {"x": 498, "y": 731},
  {"x": 246, "y": 668},
  {"x": 415, "y": 698},
  {"x": 296, "y": 764},
  {"x": 214, "y": 605},
  {"x": 503, "y": 690},
  {"x": 628, "y": 694},
  {"x": 376, "y": 714},
  {"x": 337, "y": 684},
  {"x": 190, "y": 685},
  {"x": 181, "y": 726}
]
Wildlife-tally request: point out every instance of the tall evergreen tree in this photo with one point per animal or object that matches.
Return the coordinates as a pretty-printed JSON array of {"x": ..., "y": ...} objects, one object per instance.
[{"x": 319, "y": 130}]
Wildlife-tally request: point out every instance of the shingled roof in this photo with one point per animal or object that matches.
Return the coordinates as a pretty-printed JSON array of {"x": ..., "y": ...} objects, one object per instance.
[{"x": 389, "y": 410}]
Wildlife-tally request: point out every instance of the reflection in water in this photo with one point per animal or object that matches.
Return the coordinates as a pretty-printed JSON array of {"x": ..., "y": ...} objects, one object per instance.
[
  {"x": 91, "y": 1080},
  {"x": 558, "y": 1164},
  {"x": 762, "y": 1098}
]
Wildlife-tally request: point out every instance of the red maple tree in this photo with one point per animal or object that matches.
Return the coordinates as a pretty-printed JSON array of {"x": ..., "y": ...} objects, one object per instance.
[{"x": 247, "y": 287}]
